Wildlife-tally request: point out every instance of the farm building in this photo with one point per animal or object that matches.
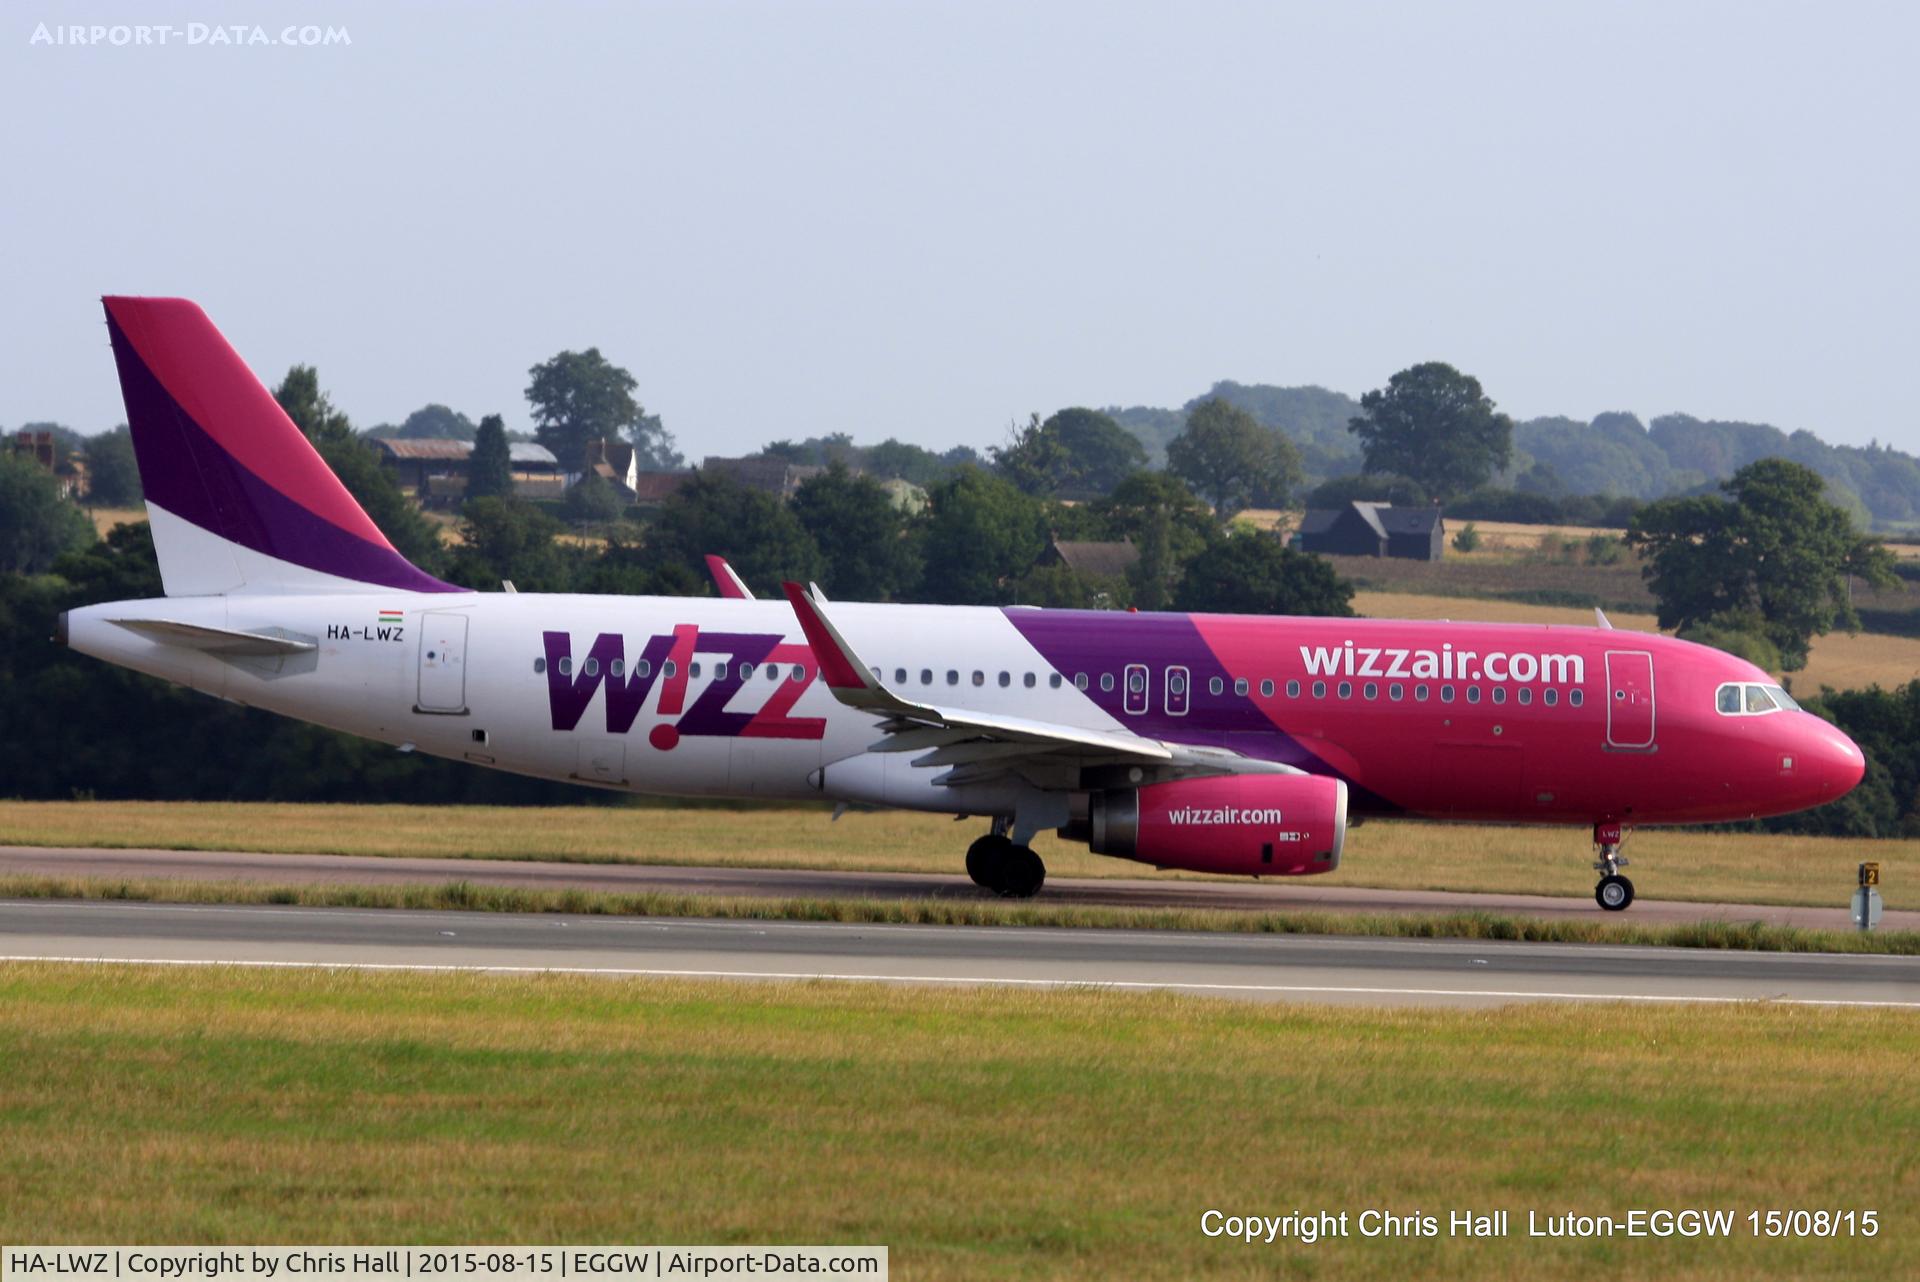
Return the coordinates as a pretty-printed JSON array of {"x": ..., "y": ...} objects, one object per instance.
[
  {"x": 435, "y": 471},
  {"x": 1373, "y": 529},
  {"x": 1098, "y": 560}
]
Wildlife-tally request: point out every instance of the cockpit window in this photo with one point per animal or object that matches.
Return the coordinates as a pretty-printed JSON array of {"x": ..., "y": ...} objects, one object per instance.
[{"x": 1742, "y": 699}]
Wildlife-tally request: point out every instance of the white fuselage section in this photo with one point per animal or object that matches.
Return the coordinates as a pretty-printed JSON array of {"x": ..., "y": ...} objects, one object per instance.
[{"x": 530, "y": 683}]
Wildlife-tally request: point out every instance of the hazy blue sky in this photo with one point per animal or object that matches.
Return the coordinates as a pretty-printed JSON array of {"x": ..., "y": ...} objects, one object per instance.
[{"x": 926, "y": 220}]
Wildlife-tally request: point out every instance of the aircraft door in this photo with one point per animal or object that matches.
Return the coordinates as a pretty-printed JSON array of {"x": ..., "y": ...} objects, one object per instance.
[
  {"x": 443, "y": 663},
  {"x": 1629, "y": 696},
  {"x": 1135, "y": 698},
  {"x": 1178, "y": 686}
]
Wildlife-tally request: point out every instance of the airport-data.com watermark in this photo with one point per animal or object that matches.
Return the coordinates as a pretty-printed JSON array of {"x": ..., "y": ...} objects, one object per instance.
[{"x": 187, "y": 35}]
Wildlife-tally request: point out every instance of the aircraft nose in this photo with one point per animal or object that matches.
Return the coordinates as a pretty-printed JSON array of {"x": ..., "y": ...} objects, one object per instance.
[{"x": 1837, "y": 761}]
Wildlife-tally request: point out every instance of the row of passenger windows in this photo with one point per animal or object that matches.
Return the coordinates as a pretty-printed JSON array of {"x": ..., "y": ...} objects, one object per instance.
[
  {"x": 590, "y": 666},
  {"x": 1395, "y": 691}
]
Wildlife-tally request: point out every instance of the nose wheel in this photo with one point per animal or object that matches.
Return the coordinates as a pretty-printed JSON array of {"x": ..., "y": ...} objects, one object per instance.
[
  {"x": 1614, "y": 892},
  {"x": 1011, "y": 871}
]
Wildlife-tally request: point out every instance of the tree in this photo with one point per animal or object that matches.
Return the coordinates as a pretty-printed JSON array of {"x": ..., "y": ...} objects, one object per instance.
[
  {"x": 1232, "y": 461},
  {"x": 113, "y": 474},
  {"x": 1077, "y": 452},
  {"x": 593, "y": 500},
  {"x": 37, "y": 522},
  {"x": 1774, "y": 556},
  {"x": 490, "y": 472},
  {"x": 434, "y": 422},
  {"x": 754, "y": 530},
  {"x": 1369, "y": 487},
  {"x": 504, "y": 538},
  {"x": 862, "y": 536},
  {"x": 579, "y": 397},
  {"x": 1432, "y": 423},
  {"x": 1061, "y": 587},
  {"x": 371, "y": 485},
  {"x": 1254, "y": 573},
  {"x": 981, "y": 534}
]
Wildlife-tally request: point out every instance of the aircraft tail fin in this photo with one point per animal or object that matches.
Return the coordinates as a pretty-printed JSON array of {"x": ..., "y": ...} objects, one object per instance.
[{"x": 239, "y": 499}]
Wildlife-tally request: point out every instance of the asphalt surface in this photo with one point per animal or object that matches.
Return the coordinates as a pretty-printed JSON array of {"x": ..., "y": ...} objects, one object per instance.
[
  {"x": 1275, "y": 895},
  {"x": 1254, "y": 967}
]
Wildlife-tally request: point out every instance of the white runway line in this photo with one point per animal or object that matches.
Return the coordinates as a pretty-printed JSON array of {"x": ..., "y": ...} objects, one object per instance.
[{"x": 980, "y": 980}]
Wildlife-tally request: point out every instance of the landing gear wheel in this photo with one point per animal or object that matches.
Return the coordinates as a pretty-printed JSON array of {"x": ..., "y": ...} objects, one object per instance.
[
  {"x": 1613, "y": 893},
  {"x": 985, "y": 857},
  {"x": 996, "y": 864},
  {"x": 1022, "y": 873}
]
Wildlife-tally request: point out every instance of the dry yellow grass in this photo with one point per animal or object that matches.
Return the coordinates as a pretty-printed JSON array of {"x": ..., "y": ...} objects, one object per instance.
[
  {"x": 976, "y": 1133},
  {"x": 1837, "y": 659},
  {"x": 1668, "y": 864},
  {"x": 105, "y": 518}
]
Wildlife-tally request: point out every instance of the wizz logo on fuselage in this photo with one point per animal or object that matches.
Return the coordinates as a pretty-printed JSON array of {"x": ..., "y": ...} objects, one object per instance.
[{"x": 667, "y": 661}]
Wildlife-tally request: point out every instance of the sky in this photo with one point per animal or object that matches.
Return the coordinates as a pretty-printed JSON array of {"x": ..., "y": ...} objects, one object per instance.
[{"x": 928, "y": 220}]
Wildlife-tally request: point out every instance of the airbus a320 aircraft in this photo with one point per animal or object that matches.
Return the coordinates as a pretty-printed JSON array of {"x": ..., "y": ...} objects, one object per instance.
[{"x": 1217, "y": 743}]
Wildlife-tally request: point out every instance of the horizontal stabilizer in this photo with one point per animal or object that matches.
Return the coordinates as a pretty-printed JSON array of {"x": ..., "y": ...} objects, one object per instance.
[{"x": 196, "y": 636}]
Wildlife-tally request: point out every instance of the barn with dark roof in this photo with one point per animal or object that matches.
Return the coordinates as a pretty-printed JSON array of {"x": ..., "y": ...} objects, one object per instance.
[{"x": 1373, "y": 529}]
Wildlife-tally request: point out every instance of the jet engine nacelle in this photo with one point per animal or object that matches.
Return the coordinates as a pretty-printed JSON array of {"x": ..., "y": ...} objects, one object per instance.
[{"x": 1264, "y": 825}]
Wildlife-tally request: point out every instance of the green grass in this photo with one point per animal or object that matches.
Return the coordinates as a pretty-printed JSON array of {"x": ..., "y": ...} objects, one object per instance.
[
  {"x": 468, "y": 897},
  {"x": 1667, "y": 864},
  {"x": 974, "y": 1133}
]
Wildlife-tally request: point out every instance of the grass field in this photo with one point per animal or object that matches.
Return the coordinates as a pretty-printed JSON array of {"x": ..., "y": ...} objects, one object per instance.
[
  {"x": 1838, "y": 660},
  {"x": 1047, "y": 913},
  {"x": 973, "y": 1133},
  {"x": 1667, "y": 864}
]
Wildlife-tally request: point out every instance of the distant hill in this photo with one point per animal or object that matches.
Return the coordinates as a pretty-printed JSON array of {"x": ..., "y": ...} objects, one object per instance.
[{"x": 1614, "y": 454}]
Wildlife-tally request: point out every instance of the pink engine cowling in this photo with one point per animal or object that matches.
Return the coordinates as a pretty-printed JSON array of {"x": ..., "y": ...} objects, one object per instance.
[{"x": 1264, "y": 825}]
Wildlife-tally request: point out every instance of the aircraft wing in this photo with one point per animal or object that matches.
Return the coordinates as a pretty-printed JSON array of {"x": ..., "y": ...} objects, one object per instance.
[
  {"x": 983, "y": 745},
  {"x": 232, "y": 641}
]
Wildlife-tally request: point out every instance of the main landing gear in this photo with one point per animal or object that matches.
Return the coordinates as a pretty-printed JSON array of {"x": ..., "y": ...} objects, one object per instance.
[
  {"x": 996, "y": 863},
  {"x": 1614, "y": 892}
]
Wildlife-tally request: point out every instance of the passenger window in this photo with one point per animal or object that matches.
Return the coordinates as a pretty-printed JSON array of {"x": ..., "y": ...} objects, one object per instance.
[
  {"x": 1214, "y": 686},
  {"x": 1106, "y": 682},
  {"x": 1758, "y": 700},
  {"x": 772, "y": 670},
  {"x": 1029, "y": 680},
  {"x": 1240, "y": 686},
  {"x": 1371, "y": 690},
  {"x": 693, "y": 670},
  {"x": 539, "y": 665},
  {"x": 617, "y": 668},
  {"x": 1319, "y": 689},
  {"x": 1499, "y": 694},
  {"x": 1293, "y": 689},
  {"x": 1079, "y": 680},
  {"x": 643, "y": 667},
  {"x": 800, "y": 672},
  {"x": 1446, "y": 694},
  {"x": 591, "y": 667},
  {"x": 1006, "y": 679},
  {"x": 1420, "y": 694},
  {"x": 1396, "y": 692},
  {"x": 1550, "y": 696},
  {"x": 1345, "y": 690},
  {"x": 746, "y": 672},
  {"x": 1266, "y": 688},
  {"x": 899, "y": 676},
  {"x": 926, "y": 676},
  {"x": 1526, "y": 696},
  {"x": 1575, "y": 698},
  {"x": 953, "y": 677},
  {"x": 1136, "y": 680},
  {"x": 667, "y": 669},
  {"x": 1053, "y": 680},
  {"x": 979, "y": 677},
  {"x": 1473, "y": 694},
  {"x": 1176, "y": 683}
]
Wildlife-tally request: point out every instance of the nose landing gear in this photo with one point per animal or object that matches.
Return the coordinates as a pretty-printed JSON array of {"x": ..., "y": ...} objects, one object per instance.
[
  {"x": 997, "y": 863},
  {"x": 1614, "y": 892}
]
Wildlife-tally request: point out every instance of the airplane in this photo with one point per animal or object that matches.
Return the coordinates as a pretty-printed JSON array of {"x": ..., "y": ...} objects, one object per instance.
[{"x": 1208, "y": 743}]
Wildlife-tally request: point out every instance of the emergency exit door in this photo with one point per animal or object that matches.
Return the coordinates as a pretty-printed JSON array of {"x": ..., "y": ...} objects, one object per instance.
[
  {"x": 1629, "y": 699},
  {"x": 443, "y": 663}
]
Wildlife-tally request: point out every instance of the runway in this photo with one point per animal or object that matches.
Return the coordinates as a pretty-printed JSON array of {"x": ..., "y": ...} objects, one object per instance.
[
  {"x": 1248, "y": 967},
  {"x": 1281, "y": 895}
]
